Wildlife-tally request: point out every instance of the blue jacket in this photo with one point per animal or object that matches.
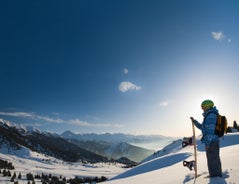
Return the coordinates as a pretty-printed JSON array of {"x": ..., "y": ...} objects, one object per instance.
[{"x": 208, "y": 126}]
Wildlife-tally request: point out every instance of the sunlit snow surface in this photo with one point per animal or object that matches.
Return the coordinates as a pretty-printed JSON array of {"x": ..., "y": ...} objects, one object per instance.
[
  {"x": 26, "y": 161},
  {"x": 164, "y": 167},
  {"x": 169, "y": 168}
]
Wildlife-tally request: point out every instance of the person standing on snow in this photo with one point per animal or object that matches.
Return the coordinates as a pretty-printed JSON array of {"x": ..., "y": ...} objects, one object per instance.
[{"x": 209, "y": 138}]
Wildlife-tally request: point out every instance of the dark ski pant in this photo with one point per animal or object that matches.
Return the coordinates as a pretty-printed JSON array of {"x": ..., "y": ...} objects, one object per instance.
[{"x": 213, "y": 159}]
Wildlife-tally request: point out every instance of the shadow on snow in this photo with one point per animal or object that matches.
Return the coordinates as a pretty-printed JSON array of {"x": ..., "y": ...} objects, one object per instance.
[{"x": 154, "y": 165}]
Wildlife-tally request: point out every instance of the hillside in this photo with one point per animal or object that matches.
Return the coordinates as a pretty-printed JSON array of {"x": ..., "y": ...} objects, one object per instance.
[
  {"x": 151, "y": 142},
  {"x": 114, "y": 150},
  {"x": 165, "y": 166},
  {"x": 16, "y": 137},
  {"x": 73, "y": 147},
  {"x": 26, "y": 161},
  {"x": 168, "y": 169},
  {"x": 115, "y": 146}
]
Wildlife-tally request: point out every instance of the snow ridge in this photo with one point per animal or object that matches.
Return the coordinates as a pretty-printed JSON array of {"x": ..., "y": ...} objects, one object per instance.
[{"x": 168, "y": 168}]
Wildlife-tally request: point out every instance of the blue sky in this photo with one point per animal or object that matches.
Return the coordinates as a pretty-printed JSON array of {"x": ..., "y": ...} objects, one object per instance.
[{"x": 130, "y": 66}]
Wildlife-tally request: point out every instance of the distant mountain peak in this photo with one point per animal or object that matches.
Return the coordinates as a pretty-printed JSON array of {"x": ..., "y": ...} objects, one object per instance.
[
  {"x": 6, "y": 123},
  {"x": 15, "y": 137},
  {"x": 68, "y": 134}
]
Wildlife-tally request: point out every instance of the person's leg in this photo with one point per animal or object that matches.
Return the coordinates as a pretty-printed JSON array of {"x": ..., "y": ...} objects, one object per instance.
[{"x": 213, "y": 160}]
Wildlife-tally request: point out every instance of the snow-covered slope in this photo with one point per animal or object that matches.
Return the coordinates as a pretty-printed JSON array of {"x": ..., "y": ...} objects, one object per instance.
[
  {"x": 168, "y": 169},
  {"x": 73, "y": 150},
  {"x": 164, "y": 167},
  {"x": 48, "y": 143},
  {"x": 26, "y": 161}
]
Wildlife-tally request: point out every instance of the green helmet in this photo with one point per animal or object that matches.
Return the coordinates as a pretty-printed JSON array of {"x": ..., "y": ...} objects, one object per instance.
[{"x": 207, "y": 104}]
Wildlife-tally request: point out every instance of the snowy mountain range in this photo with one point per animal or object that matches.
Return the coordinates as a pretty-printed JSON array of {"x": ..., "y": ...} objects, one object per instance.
[
  {"x": 164, "y": 166},
  {"x": 15, "y": 137},
  {"x": 72, "y": 147},
  {"x": 118, "y": 145},
  {"x": 151, "y": 142}
]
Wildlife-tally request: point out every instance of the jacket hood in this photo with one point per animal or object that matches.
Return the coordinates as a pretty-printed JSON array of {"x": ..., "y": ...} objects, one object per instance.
[{"x": 213, "y": 109}]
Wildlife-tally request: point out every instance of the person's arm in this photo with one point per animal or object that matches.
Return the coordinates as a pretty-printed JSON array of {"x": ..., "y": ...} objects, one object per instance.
[{"x": 196, "y": 123}]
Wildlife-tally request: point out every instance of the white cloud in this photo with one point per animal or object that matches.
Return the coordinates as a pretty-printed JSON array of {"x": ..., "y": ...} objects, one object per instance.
[
  {"x": 126, "y": 86},
  {"x": 164, "y": 104},
  {"x": 86, "y": 124},
  {"x": 126, "y": 71},
  {"x": 58, "y": 120},
  {"x": 220, "y": 36},
  {"x": 51, "y": 120},
  {"x": 16, "y": 114},
  {"x": 79, "y": 122},
  {"x": 31, "y": 116}
]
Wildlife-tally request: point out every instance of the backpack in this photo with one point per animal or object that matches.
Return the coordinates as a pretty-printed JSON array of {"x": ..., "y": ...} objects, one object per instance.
[{"x": 221, "y": 125}]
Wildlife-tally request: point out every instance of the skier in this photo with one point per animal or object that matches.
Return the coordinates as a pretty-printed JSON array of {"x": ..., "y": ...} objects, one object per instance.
[{"x": 209, "y": 138}]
